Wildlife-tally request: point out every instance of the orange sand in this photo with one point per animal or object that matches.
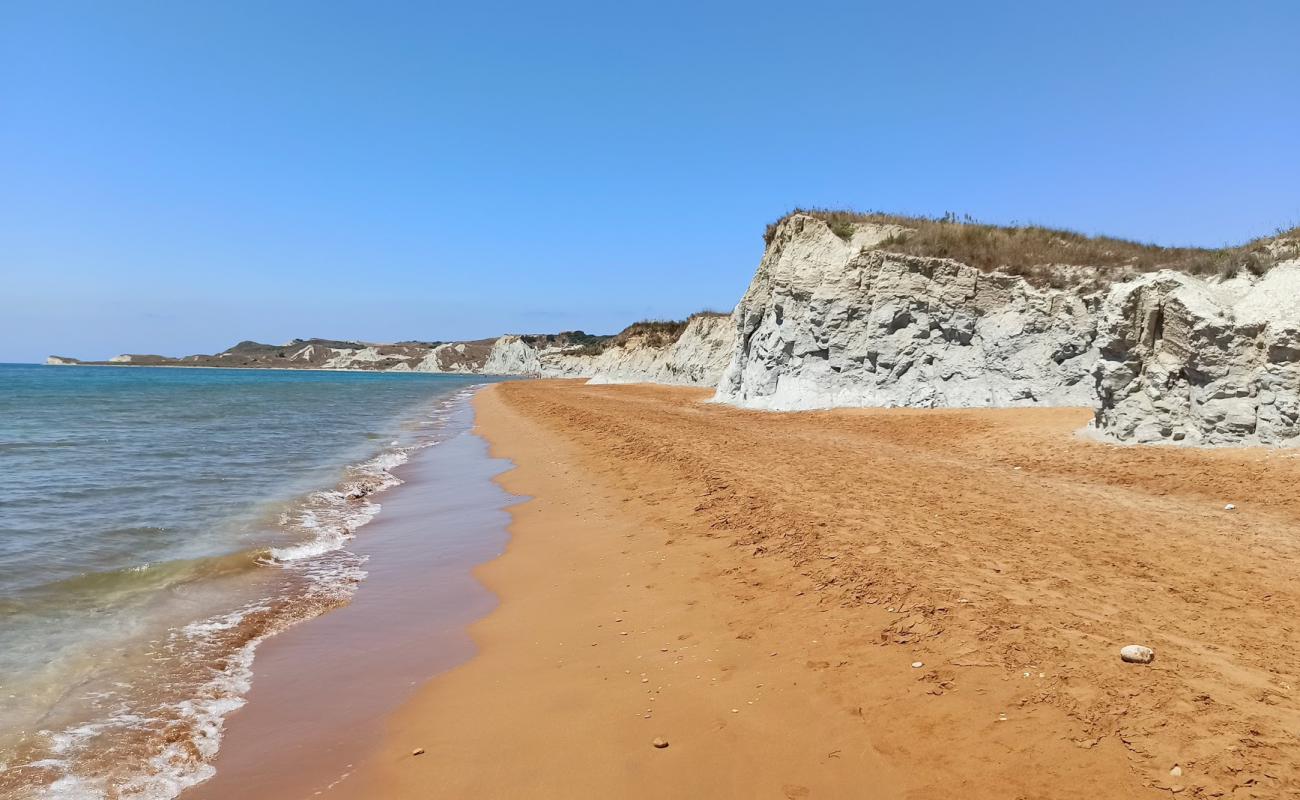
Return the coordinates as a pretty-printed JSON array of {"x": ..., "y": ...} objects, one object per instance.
[{"x": 755, "y": 588}]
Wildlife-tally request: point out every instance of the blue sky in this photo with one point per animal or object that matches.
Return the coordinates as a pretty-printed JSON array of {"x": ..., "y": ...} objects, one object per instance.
[{"x": 176, "y": 177}]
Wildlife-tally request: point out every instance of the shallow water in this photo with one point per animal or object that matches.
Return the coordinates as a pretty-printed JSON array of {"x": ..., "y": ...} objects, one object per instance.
[
  {"x": 155, "y": 526},
  {"x": 324, "y": 690}
]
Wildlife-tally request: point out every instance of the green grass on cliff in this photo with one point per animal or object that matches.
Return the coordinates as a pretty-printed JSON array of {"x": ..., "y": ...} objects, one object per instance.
[{"x": 1039, "y": 253}]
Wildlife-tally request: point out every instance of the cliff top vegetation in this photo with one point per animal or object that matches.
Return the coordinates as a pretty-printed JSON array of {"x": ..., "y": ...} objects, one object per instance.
[{"x": 1039, "y": 253}]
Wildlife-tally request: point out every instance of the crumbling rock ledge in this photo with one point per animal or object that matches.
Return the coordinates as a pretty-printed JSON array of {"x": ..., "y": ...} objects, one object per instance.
[{"x": 1197, "y": 362}]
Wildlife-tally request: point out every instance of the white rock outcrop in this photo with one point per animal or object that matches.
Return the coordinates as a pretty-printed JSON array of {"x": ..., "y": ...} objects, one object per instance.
[
  {"x": 1200, "y": 362},
  {"x": 517, "y": 355},
  {"x": 828, "y": 322},
  {"x": 695, "y": 358},
  {"x": 454, "y": 357}
]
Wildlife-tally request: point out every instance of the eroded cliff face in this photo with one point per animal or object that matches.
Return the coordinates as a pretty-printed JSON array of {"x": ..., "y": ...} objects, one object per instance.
[
  {"x": 1197, "y": 362},
  {"x": 511, "y": 355},
  {"x": 694, "y": 358},
  {"x": 828, "y": 322}
]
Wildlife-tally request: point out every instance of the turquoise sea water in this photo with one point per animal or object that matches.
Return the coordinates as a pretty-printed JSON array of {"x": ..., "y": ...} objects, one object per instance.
[{"x": 155, "y": 526}]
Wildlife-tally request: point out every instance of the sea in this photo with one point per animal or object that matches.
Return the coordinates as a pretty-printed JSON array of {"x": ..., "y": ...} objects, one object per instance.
[{"x": 157, "y": 525}]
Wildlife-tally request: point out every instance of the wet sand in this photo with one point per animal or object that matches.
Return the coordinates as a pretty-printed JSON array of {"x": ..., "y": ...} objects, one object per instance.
[
  {"x": 759, "y": 589},
  {"x": 323, "y": 688}
]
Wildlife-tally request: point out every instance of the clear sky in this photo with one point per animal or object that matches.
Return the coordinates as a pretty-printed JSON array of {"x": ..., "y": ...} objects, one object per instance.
[{"x": 177, "y": 176}]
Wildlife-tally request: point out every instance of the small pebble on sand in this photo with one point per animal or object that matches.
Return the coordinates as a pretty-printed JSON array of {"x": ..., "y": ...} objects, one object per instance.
[
  {"x": 419, "y": 751},
  {"x": 1176, "y": 772},
  {"x": 1229, "y": 507},
  {"x": 917, "y": 664},
  {"x": 1137, "y": 654},
  {"x": 659, "y": 742}
]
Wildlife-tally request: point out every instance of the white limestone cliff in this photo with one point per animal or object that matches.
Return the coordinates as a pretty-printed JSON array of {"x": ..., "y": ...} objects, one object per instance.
[
  {"x": 696, "y": 357},
  {"x": 1200, "y": 362},
  {"x": 517, "y": 355},
  {"x": 828, "y": 322}
]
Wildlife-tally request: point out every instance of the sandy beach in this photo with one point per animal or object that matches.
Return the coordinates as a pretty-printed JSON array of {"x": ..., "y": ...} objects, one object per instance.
[{"x": 865, "y": 603}]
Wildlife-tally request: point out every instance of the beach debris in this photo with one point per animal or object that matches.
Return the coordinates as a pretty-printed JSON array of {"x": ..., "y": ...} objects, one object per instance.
[
  {"x": 360, "y": 491},
  {"x": 419, "y": 751},
  {"x": 659, "y": 743},
  {"x": 1137, "y": 654},
  {"x": 1176, "y": 772},
  {"x": 1229, "y": 506},
  {"x": 1002, "y": 717},
  {"x": 917, "y": 664}
]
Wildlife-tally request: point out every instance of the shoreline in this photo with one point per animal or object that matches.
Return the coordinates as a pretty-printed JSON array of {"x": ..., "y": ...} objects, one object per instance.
[
  {"x": 156, "y": 646},
  {"x": 321, "y": 687},
  {"x": 831, "y": 604}
]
